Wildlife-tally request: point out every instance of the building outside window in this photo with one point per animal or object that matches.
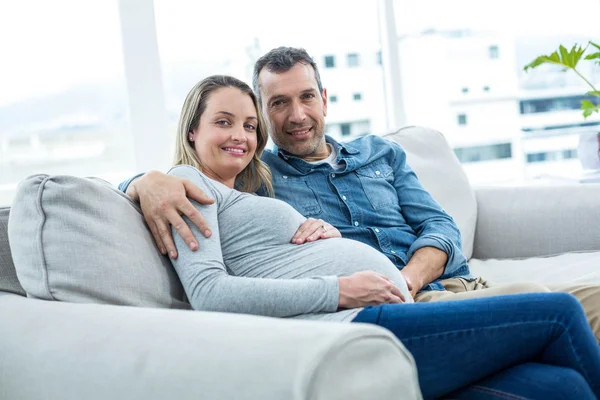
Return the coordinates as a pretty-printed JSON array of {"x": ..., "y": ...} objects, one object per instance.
[
  {"x": 329, "y": 61},
  {"x": 357, "y": 96},
  {"x": 494, "y": 52},
  {"x": 484, "y": 153},
  {"x": 353, "y": 60},
  {"x": 345, "y": 129},
  {"x": 333, "y": 98},
  {"x": 462, "y": 119}
]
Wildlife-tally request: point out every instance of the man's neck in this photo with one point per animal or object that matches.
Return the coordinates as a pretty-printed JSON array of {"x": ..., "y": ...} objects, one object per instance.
[{"x": 323, "y": 152}]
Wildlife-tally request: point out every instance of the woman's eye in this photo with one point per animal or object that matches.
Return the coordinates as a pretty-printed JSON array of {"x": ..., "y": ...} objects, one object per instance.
[
  {"x": 223, "y": 122},
  {"x": 250, "y": 127}
]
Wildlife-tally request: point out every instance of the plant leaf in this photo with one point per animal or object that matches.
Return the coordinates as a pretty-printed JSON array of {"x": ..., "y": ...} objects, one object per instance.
[
  {"x": 595, "y": 45},
  {"x": 589, "y": 108},
  {"x": 593, "y": 56},
  {"x": 563, "y": 57},
  {"x": 594, "y": 93}
]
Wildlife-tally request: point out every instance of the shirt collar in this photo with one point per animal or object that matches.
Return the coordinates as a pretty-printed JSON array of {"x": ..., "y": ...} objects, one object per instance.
[{"x": 347, "y": 148}]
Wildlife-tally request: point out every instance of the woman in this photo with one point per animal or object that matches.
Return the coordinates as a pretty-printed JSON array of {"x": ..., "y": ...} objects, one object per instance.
[{"x": 484, "y": 348}]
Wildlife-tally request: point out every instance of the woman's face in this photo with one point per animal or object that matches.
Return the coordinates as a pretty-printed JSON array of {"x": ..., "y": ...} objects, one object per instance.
[{"x": 225, "y": 139}]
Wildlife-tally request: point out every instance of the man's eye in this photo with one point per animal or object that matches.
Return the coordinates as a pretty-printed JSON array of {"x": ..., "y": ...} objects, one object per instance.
[
  {"x": 309, "y": 96},
  {"x": 277, "y": 103}
]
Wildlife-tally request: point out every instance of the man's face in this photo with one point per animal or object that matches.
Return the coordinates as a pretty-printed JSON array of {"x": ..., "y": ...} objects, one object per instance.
[{"x": 295, "y": 110}]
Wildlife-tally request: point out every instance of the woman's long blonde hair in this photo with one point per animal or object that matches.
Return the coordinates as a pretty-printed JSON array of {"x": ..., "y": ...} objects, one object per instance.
[{"x": 257, "y": 174}]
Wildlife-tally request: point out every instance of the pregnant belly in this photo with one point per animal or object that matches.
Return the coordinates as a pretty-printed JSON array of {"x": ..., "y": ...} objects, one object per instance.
[{"x": 339, "y": 257}]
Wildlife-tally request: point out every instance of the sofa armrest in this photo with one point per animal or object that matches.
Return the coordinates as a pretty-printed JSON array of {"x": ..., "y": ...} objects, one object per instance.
[
  {"x": 530, "y": 221},
  {"x": 86, "y": 351}
]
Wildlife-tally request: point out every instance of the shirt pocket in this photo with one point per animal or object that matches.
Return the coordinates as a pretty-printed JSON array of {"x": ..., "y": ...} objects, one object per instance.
[
  {"x": 377, "y": 181},
  {"x": 297, "y": 192}
]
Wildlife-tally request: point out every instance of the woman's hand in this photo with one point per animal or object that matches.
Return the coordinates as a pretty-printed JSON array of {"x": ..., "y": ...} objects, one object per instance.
[
  {"x": 368, "y": 288},
  {"x": 315, "y": 229}
]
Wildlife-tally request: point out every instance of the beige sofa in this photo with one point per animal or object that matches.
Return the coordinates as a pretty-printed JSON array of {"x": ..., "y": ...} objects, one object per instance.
[{"x": 68, "y": 350}]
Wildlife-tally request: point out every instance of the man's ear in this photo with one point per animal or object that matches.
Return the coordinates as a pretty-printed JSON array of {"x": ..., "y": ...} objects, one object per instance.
[{"x": 324, "y": 97}]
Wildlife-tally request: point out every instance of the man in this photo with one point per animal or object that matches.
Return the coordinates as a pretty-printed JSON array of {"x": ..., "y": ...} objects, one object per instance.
[{"x": 364, "y": 188}]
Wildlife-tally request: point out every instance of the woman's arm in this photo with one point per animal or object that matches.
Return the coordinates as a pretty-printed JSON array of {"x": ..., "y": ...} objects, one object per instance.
[{"x": 210, "y": 287}]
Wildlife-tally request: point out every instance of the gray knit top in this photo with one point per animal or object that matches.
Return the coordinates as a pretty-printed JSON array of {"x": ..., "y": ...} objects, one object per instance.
[{"x": 250, "y": 266}]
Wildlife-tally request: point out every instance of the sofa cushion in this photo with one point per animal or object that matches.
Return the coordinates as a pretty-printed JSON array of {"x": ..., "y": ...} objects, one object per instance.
[
  {"x": 8, "y": 275},
  {"x": 567, "y": 268},
  {"x": 80, "y": 240},
  {"x": 434, "y": 162}
]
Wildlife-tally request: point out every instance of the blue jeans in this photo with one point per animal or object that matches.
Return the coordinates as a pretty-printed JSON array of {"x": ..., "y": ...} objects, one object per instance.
[{"x": 534, "y": 346}]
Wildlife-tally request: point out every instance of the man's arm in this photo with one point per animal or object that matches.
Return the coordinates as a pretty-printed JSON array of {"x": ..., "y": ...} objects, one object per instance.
[
  {"x": 164, "y": 200},
  {"x": 438, "y": 242},
  {"x": 426, "y": 265}
]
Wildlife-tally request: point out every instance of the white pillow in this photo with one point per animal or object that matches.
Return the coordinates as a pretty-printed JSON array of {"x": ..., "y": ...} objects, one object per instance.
[
  {"x": 80, "y": 240},
  {"x": 440, "y": 173}
]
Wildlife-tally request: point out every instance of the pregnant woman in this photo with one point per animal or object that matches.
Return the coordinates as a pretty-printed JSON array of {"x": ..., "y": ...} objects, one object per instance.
[{"x": 527, "y": 346}]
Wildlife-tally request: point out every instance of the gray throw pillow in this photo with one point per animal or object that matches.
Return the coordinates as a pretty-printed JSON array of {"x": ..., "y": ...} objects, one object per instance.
[{"x": 79, "y": 240}]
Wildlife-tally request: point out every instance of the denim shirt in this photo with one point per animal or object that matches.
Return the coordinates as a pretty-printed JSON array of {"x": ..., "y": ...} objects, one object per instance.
[{"x": 374, "y": 198}]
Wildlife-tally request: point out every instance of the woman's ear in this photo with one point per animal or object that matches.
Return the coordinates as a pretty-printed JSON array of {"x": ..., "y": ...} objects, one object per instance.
[{"x": 191, "y": 136}]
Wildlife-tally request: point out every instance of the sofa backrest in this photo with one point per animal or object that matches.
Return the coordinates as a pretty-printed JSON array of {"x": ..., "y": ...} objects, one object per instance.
[
  {"x": 8, "y": 275},
  {"x": 432, "y": 159}
]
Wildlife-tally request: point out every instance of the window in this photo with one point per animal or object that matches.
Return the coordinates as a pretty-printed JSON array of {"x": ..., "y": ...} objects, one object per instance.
[
  {"x": 345, "y": 129},
  {"x": 486, "y": 88},
  {"x": 333, "y": 98},
  {"x": 493, "y": 51},
  {"x": 484, "y": 153},
  {"x": 353, "y": 60},
  {"x": 555, "y": 104},
  {"x": 71, "y": 116},
  {"x": 357, "y": 96},
  {"x": 462, "y": 119},
  {"x": 569, "y": 154},
  {"x": 465, "y": 90},
  {"x": 552, "y": 156},
  {"x": 329, "y": 61},
  {"x": 379, "y": 58},
  {"x": 536, "y": 157},
  {"x": 560, "y": 127}
]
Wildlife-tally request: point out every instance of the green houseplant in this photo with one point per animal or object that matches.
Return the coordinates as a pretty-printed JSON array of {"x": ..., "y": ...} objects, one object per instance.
[{"x": 569, "y": 60}]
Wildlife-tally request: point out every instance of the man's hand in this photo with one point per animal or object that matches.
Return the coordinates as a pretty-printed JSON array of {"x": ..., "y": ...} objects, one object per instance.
[
  {"x": 368, "y": 288},
  {"x": 164, "y": 199},
  {"x": 315, "y": 229},
  {"x": 425, "y": 266}
]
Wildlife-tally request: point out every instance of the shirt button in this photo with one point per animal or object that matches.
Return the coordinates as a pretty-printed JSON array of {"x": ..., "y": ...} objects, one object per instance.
[
  {"x": 344, "y": 198},
  {"x": 355, "y": 223},
  {"x": 376, "y": 230},
  {"x": 377, "y": 172},
  {"x": 285, "y": 177},
  {"x": 333, "y": 175},
  {"x": 393, "y": 252}
]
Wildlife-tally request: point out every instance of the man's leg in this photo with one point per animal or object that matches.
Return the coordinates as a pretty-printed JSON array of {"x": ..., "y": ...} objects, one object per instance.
[
  {"x": 589, "y": 297},
  {"x": 462, "y": 289}
]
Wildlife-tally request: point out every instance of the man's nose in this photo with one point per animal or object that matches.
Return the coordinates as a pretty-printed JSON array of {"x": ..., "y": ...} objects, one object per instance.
[{"x": 298, "y": 115}]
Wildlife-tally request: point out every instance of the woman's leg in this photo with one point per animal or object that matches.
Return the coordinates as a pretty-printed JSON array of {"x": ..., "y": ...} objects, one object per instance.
[
  {"x": 529, "y": 381},
  {"x": 458, "y": 343}
]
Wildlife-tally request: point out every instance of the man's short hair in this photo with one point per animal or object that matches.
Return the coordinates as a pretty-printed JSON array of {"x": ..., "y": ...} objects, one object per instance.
[{"x": 282, "y": 59}]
